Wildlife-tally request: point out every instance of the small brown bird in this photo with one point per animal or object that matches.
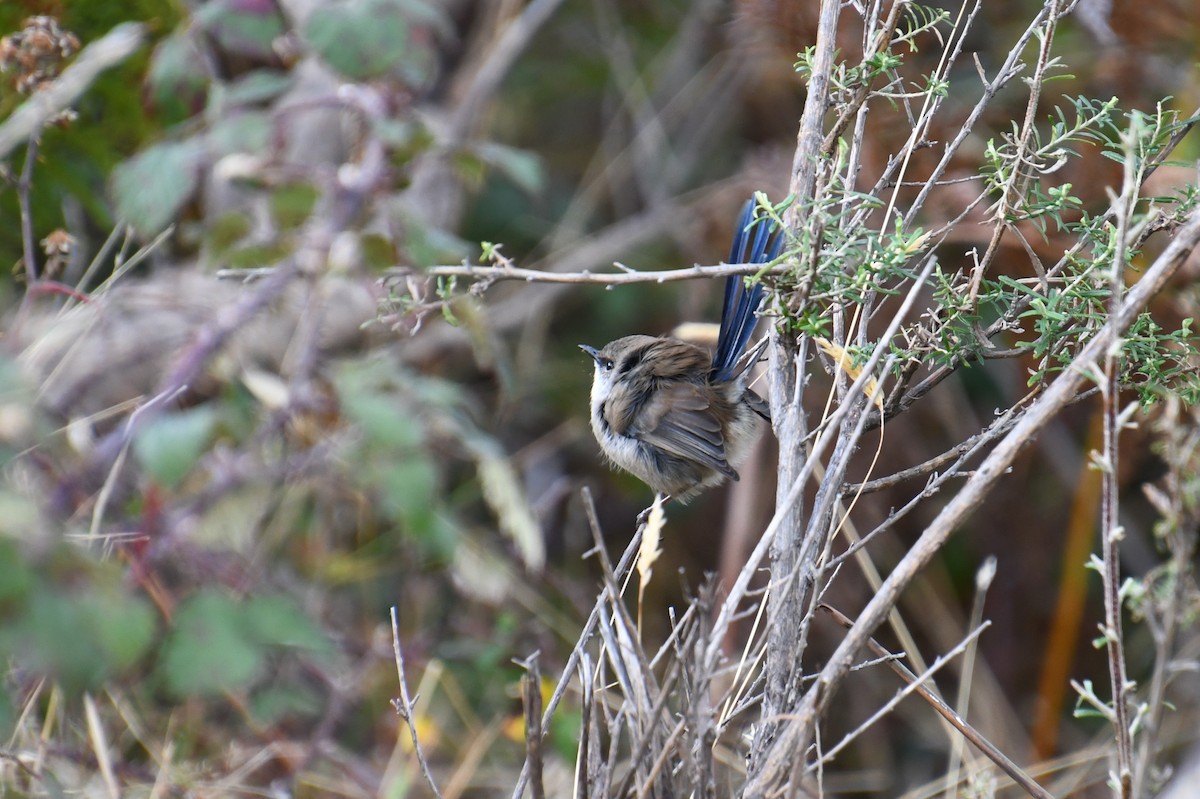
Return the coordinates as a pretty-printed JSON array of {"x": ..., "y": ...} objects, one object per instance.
[{"x": 666, "y": 411}]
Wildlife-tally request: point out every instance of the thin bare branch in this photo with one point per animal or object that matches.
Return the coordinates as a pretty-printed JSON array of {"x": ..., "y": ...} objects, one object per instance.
[
  {"x": 1111, "y": 531},
  {"x": 24, "y": 188},
  {"x": 589, "y": 628},
  {"x": 916, "y": 684},
  {"x": 624, "y": 277},
  {"x": 404, "y": 705},
  {"x": 531, "y": 693}
]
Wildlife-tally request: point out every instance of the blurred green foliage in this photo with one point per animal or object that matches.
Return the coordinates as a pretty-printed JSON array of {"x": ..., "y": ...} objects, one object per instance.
[
  {"x": 383, "y": 34},
  {"x": 218, "y": 643},
  {"x": 69, "y": 617},
  {"x": 168, "y": 447}
]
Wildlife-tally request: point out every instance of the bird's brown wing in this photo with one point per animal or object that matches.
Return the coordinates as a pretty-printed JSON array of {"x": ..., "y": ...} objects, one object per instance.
[{"x": 679, "y": 419}]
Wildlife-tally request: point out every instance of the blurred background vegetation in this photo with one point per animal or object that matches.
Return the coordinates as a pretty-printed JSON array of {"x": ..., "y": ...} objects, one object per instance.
[{"x": 196, "y": 593}]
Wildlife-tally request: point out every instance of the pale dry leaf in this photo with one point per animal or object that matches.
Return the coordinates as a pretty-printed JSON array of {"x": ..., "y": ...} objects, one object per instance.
[
  {"x": 846, "y": 364},
  {"x": 266, "y": 387},
  {"x": 100, "y": 747},
  {"x": 650, "y": 550},
  {"x": 503, "y": 494},
  {"x": 481, "y": 573},
  {"x": 703, "y": 333}
]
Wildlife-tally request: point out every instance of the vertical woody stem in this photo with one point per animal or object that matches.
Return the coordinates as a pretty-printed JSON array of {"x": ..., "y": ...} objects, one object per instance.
[{"x": 787, "y": 597}]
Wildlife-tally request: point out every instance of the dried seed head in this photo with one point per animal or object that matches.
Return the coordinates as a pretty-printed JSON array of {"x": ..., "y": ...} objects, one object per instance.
[{"x": 36, "y": 52}]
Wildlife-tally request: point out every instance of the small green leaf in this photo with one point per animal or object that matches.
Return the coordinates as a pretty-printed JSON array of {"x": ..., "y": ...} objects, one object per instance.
[
  {"x": 123, "y": 626},
  {"x": 426, "y": 245},
  {"x": 439, "y": 536},
  {"x": 520, "y": 166},
  {"x": 8, "y": 716},
  {"x": 275, "y": 620},
  {"x": 227, "y": 230},
  {"x": 361, "y": 39},
  {"x": 292, "y": 204},
  {"x": 151, "y": 187},
  {"x": 378, "y": 252},
  {"x": 207, "y": 651},
  {"x": 168, "y": 447},
  {"x": 241, "y": 132},
  {"x": 404, "y": 137},
  {"x": 256, "y": 255},
  {"x": 407, "y": 489},
  {"x": 51, "y": 636},
  {"x": 383, "y": 423},
  {"x": 16, "y": 579},
  {"x": 276, "y": 702},
  {"x": 177, "y": 77},
  {"x": 246, "y": 27},
  {"x": 220, "y": 644},
  {"x": 256, "y": 87}
]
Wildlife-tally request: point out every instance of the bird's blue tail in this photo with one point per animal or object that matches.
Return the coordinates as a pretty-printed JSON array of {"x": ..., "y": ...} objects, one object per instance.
[{"x": 737, "y": 314}]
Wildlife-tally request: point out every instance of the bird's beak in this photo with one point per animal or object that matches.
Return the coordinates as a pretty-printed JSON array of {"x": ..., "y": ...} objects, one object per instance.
[{"x": 592, "y": 351}]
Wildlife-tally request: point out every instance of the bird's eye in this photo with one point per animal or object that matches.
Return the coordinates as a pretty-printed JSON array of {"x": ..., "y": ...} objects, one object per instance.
[{"x": 606, "y": 365}]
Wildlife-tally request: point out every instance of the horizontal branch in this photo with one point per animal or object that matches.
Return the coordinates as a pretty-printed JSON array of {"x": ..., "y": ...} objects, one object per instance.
[{"x": 493, "y": 273}]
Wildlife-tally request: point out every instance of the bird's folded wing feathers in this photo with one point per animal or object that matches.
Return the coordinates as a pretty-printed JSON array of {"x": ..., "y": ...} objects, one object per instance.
[{"x": 681, "y": 423}]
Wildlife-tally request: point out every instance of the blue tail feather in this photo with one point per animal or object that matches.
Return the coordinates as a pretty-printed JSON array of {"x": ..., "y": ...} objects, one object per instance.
[{"x": 737, "y": 311}]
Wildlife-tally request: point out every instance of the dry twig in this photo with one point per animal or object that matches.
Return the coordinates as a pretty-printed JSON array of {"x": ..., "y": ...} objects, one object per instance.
[{"x": 404, "y": 705}]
